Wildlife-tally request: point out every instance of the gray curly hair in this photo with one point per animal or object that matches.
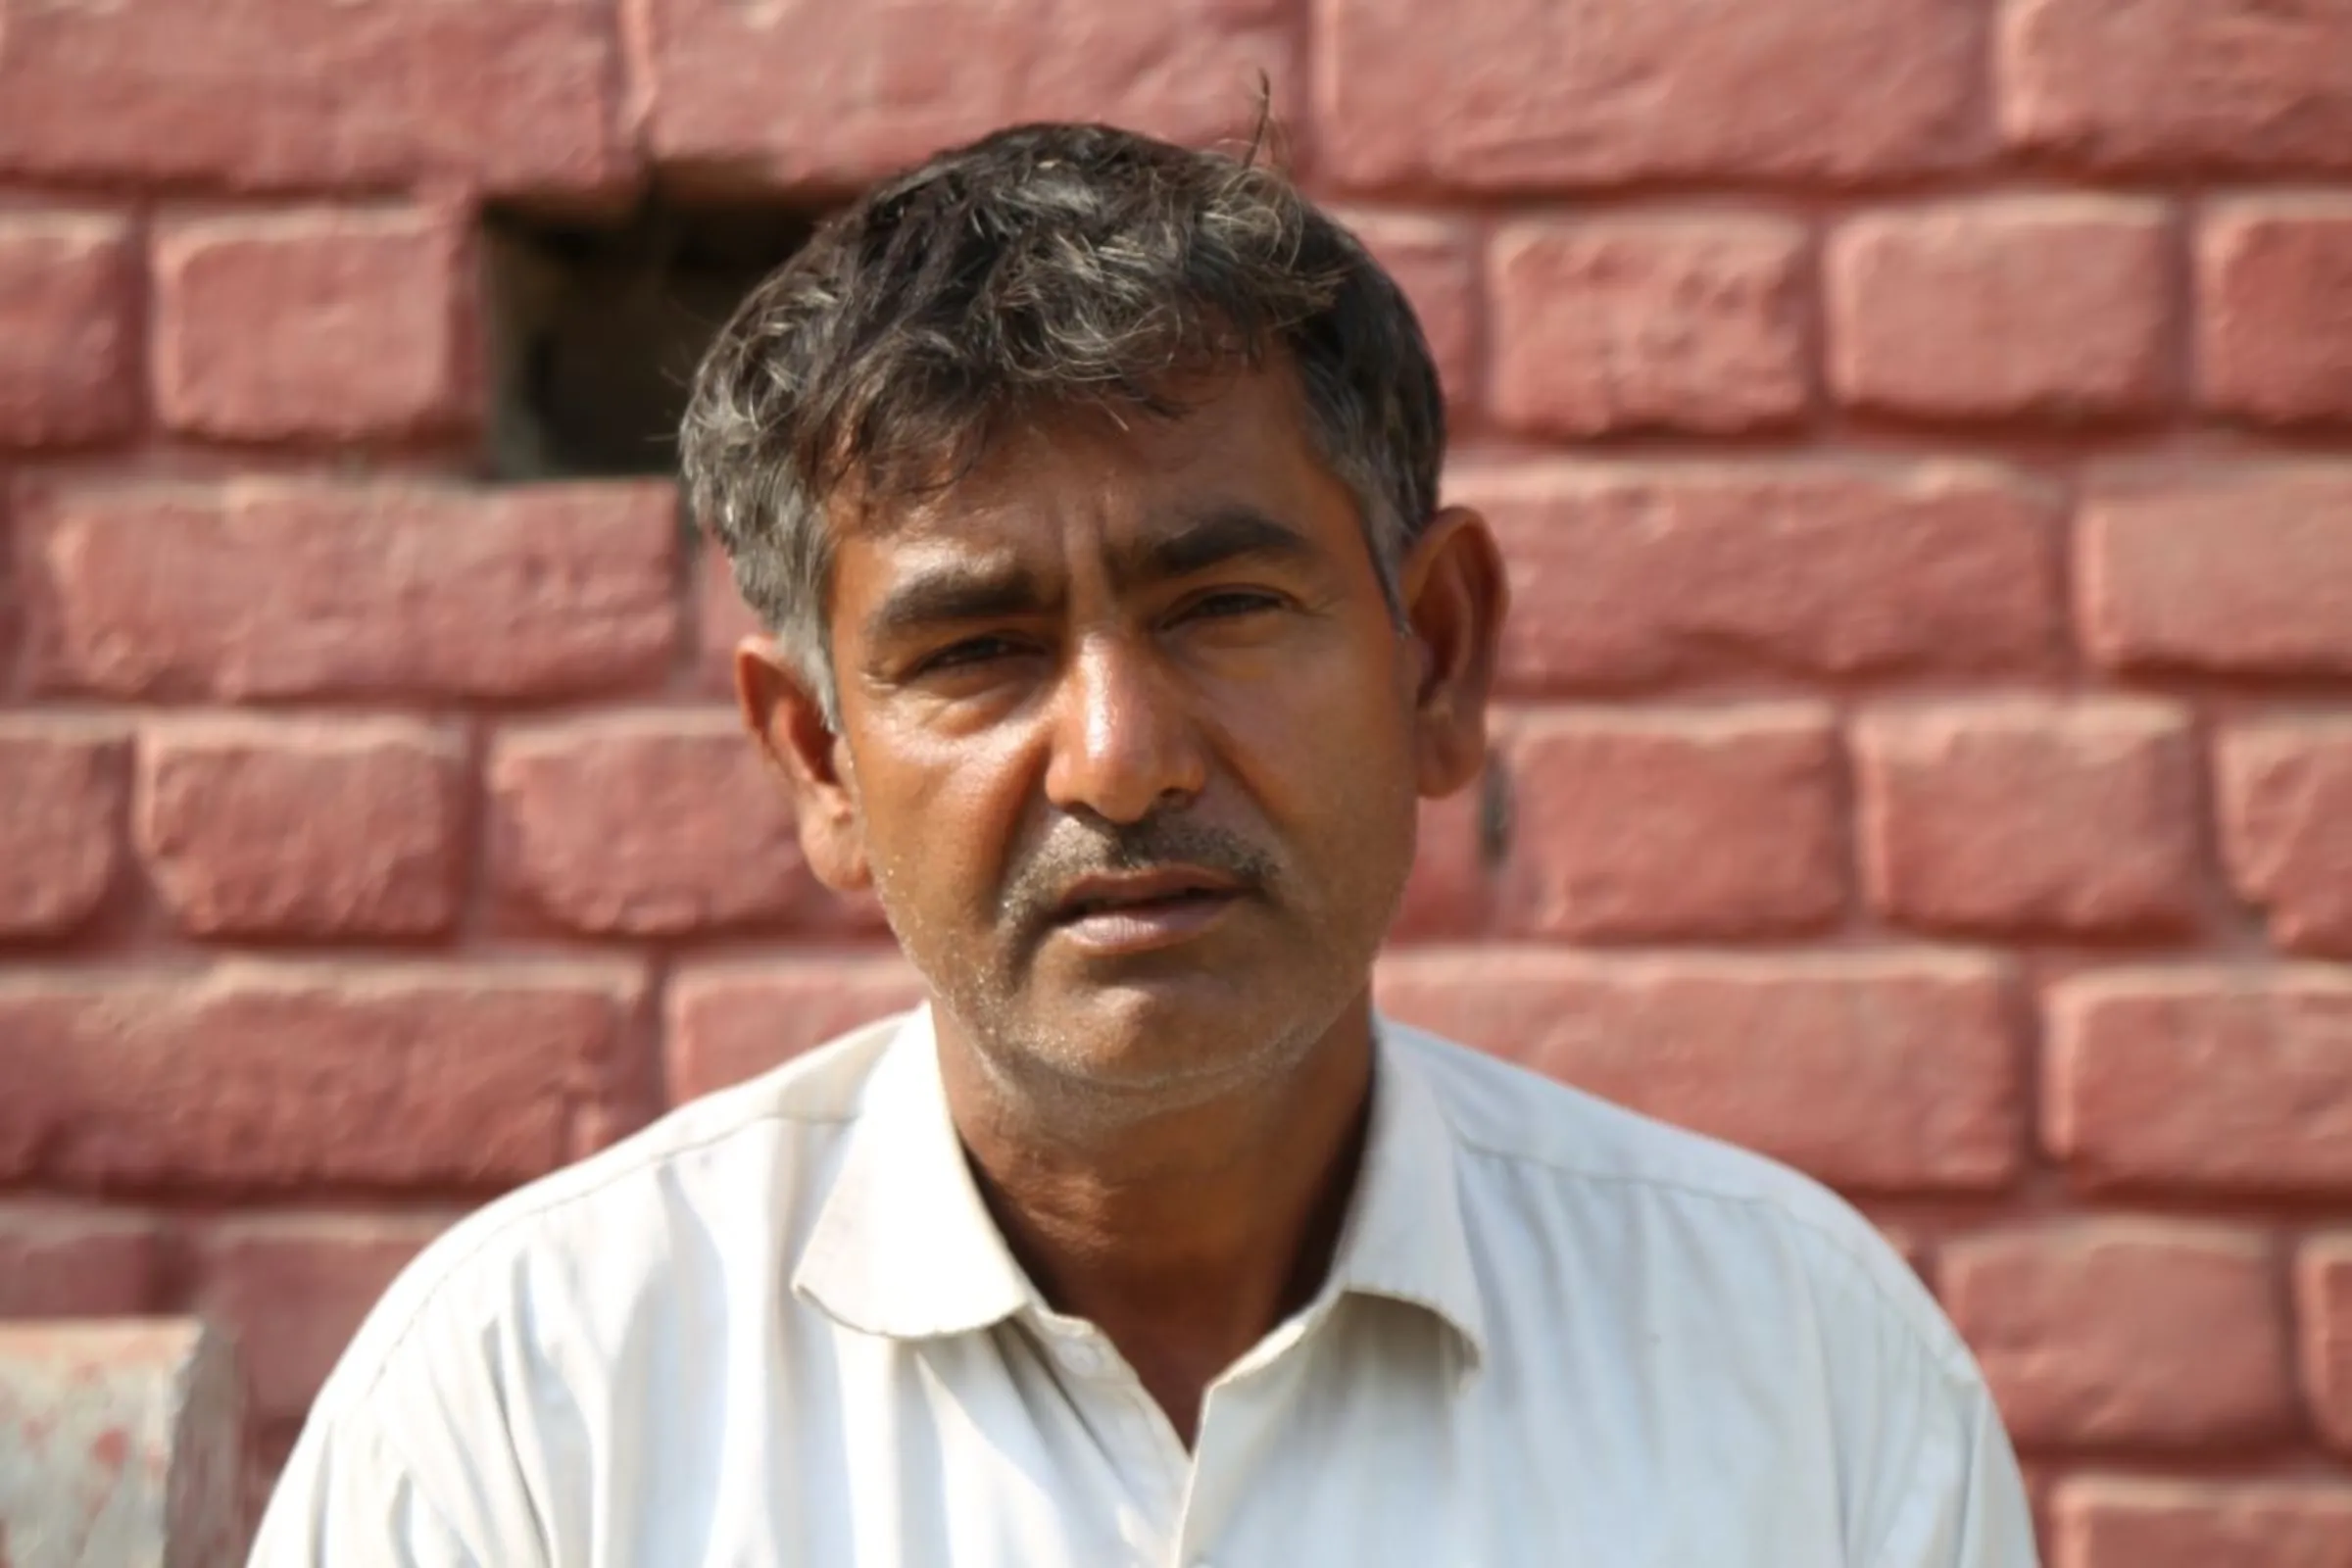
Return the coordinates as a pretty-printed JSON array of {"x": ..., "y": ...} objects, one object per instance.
[{"x": 1041, "y": 267}]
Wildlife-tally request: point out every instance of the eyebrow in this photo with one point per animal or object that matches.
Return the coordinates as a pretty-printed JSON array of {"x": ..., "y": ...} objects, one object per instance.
[
  {"x": 953, "y": 592},
  {"x": 965, "y": 591},
  {"x": 1209, "y": 538}
]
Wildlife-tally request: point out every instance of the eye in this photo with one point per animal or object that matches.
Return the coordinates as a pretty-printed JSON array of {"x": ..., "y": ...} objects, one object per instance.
[
  {"x": 1225, "y": 604},
  {"x": 970, "y": 651}
]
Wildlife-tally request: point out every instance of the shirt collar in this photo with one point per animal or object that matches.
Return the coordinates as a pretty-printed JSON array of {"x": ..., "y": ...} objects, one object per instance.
[
  {"x": 904, "y": 1248},
  {"x": 1404, "y": 1237}
]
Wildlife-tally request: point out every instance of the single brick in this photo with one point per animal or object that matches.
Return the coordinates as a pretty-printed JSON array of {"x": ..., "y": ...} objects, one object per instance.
[
  {"x": 293, "y": 1289},
  {"x": 69, "y": 337},
  {"x": 2028, "y": 815},
  {"x": 273, "y": 589},
  {"x": 60, "y": 832},
  {"x": 1615, "y": 90},
  {"x": 2274, "y": 306},
  {"x": 2125, "y": 1332},
  {"x": 2099, "y": 1522},
  {"x": 1634, "y": 574},
  {"x": 2029, "y": 306},
  {"x": 1626, "y": 323},
  {"x": 303, "y": 828},
  {"x": 651, "y": 823},
  {"x": 1888, "y": 1071},
  {"x": 270, "y": 1077},
  {"x": 2285, "y": 796},
  {"x": 729, "y": 1023},
  {"x": 2242, "y": 569},
  {"x": 828, "y": 97},
  {"x": 75, "y": 1260},
  {"x": 511, "y": 96},
  {"x": 1435, "y": 261},
  {"x": 2156, "y": 84},
  {"x": 2203, "y": 1080},
  {"x": 2323, "y": 1314},
  {"x": 1673, "y": 823},
  {"x": 322, "y": 326}
]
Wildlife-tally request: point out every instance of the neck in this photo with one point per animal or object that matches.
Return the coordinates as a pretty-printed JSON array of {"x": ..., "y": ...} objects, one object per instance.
[{"x": 1184, "y": 1237}]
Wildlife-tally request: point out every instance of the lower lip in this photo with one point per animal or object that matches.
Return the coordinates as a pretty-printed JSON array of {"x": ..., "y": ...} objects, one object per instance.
[{"x": 1143, "y": 927}]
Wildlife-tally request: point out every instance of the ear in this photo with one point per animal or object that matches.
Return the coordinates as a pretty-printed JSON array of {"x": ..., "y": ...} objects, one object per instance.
[
  {"x": 789, "y": 724},
  {"x": 1455, "y": 596}
]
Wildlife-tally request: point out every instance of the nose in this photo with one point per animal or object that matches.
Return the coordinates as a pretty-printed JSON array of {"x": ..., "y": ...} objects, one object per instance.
[{"x": 1124, "y": 744}]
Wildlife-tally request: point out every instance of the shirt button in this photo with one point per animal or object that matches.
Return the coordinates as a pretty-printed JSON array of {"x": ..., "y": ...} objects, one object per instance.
[{"x": 1087, "y": 1360}]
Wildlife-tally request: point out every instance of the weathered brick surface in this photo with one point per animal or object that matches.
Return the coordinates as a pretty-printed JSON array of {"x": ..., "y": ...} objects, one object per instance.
[
  {"x": 315, "y": 325},
  {"x": 293, "y": 1289},
  {"x": 2324, "y": 1314},
  {"x": 1886, "y": 1071},
  {"x": 2100, "y": 1522},
  {"x": 284, "y": 589},
  {"x": 811, "y": 94},
  {"x": 1638, "y": 573},
  {"x": 1911, "y": 428},
  {"x": 1685, "y": 322},
  {"x": 61, "y": 831},
  {"x": 2030, "y": 816},
  {"x": 2285, "y": 800},
  {"x": 1716, "y": 823},
  {"x": 728, "y": 1022},
  {"x": 2118, "y": 1334},
  {"x": 517, "y": 95},
  {"x": 647, "y": 825},
  {"x": 2199, "y": 1079},
  {"x": 303, "y": 828},
  {"x": 256, "y": 1077},
  {"x": 1619, "y": 91},
  {"x": 2137, "y": 84},
  {"x": 76, "y": 1260},
  {"x": 69, "y": 328},
  {"x": 2004, "y": 309},
  {"x": 2237, "y": 570},
  {"x": 2275, "y": 307}
]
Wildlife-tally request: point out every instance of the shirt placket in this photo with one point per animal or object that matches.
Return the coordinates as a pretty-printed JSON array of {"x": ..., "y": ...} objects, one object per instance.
[{"x": 1134, "y": 1433}]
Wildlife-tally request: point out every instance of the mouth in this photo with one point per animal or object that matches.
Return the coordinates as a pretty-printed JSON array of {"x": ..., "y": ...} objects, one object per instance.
[{"x": 1139, "y": 911}]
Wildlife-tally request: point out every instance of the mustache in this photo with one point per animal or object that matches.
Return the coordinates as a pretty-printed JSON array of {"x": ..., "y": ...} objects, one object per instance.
[{"x": 1074, "y": 849}]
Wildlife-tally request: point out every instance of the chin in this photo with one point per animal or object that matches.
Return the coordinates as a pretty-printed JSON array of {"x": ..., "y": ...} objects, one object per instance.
[{"x": 1187, "y": 1040}]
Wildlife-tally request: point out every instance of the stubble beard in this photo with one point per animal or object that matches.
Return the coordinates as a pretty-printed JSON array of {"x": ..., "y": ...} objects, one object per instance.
[{"x": 1060, "y": 1074}]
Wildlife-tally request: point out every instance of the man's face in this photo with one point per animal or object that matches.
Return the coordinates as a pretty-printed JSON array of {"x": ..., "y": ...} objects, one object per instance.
[{"x": 1128, "y": 743}]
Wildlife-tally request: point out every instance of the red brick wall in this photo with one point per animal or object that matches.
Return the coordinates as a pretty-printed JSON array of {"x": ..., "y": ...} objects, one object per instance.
[{"x": 1915, "y": 427}]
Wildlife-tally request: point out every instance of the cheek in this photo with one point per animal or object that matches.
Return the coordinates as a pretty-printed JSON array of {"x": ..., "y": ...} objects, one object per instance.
[
  {"x": 936, "y": 818},
  {"x": 1331, "y": 758}
]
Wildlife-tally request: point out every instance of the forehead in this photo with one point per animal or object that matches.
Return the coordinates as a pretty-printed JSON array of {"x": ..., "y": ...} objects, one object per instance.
[{"x": 1241, "y": 438}]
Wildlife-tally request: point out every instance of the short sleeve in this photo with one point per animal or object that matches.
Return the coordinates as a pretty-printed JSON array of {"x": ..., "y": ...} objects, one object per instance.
[
  {"x": 413, "y": 1456},
  {"x": 347, "y": 1499},
  {"x": 1964, "y": 1506}
]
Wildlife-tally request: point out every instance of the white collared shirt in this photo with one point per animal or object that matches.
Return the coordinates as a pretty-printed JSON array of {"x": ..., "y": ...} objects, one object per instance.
[{"x": 780, "y": 1328}]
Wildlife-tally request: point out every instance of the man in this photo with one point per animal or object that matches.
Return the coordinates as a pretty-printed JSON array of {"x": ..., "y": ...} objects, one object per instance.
[{"x": 1088, "y": 488}]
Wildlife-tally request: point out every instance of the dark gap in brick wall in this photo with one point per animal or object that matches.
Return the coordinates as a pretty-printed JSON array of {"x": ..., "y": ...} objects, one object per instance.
[{"x": 594, "y": 327}]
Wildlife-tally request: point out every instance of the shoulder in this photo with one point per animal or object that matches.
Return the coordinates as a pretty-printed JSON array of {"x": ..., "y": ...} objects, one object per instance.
[
  {"x": 613, "y": 1224},
  {"x": 1562, "y": 1156}
]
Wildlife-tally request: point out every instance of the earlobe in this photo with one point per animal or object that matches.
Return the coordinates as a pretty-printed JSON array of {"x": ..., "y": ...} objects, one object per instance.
[
  {"x": 1456, "y": 596},
  {"x": 787, "y": 722}
]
